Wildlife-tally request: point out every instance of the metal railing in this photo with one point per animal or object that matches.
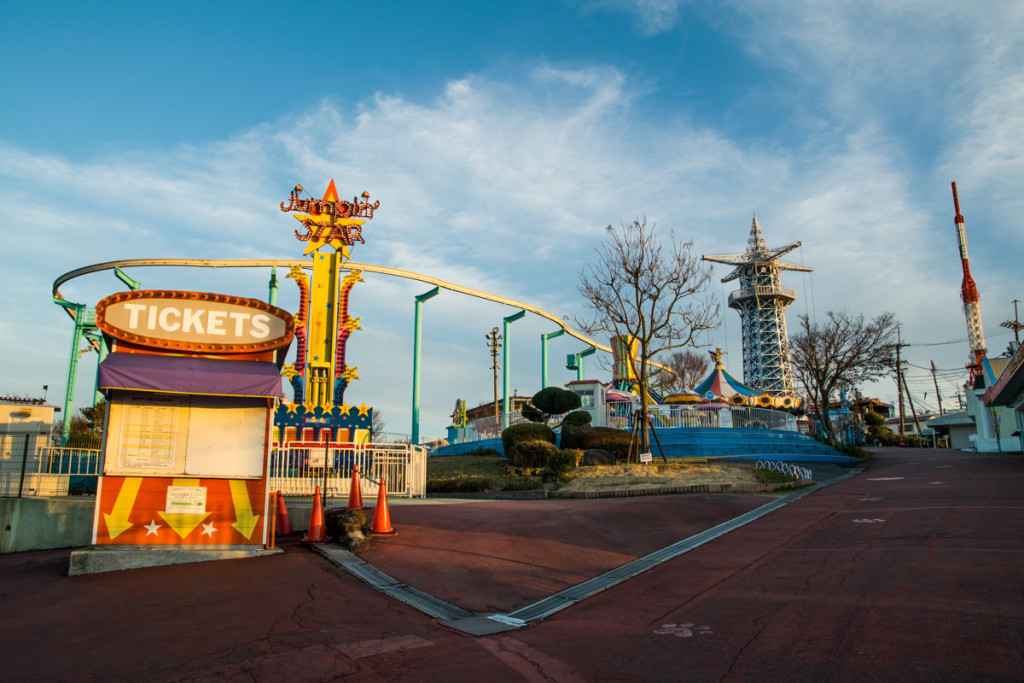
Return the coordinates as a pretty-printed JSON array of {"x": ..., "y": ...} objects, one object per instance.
[
  {"x": 28, "y": 468},
  {"x": 297, "y": 468},
  {"x": 620, "y": 415}
]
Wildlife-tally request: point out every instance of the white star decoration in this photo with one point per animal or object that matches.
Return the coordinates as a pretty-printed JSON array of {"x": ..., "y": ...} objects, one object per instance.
[
  {"x": 208, "y": 530},
  {"x": 151, "y": 528}
]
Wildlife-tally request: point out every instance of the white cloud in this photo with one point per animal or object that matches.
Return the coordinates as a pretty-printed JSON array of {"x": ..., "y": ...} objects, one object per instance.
[{"x": 652, "y": 16}]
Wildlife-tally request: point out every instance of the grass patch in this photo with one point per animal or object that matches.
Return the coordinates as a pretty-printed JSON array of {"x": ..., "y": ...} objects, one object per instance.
[
  {"x": 766, "y": 476},
  {"x": 474, "y": 474},
  {"x": 449, "y": 467}
]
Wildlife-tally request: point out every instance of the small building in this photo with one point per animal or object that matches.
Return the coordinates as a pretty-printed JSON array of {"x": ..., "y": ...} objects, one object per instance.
[
  {"x": 516, "y": 404},
  {"x": 994, "y": 403},
  {"x": 957, "y": 426},
  {"x": 1004, "y": 397}
]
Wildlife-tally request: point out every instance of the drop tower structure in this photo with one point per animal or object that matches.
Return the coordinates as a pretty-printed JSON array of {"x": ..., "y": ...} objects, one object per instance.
[{"x": 761, "y": 302}]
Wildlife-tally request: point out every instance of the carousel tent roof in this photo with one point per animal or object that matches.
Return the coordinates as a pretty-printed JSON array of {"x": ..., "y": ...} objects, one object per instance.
[{"x": 721, "y": 383}]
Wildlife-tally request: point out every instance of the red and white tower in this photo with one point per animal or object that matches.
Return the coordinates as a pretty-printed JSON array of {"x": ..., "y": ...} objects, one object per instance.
[{"x": 969, "y": 295}]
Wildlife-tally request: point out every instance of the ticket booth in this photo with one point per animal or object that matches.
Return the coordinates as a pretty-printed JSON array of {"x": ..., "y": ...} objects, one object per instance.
[{"x": 192, "y": 381}]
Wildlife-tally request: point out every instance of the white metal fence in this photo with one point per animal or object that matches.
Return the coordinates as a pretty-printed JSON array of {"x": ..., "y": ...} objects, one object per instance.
[
  {"x": 29, "y": 468},
  {"x": 297, "y": 468}
]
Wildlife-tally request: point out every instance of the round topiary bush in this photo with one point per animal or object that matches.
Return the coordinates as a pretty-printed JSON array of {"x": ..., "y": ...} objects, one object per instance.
[
  {"x": 529, "y": 453},
  {"x": 527, "y": 431},
  {"x": 562, "y": 462},
  {"x": 577, "y": 418}
]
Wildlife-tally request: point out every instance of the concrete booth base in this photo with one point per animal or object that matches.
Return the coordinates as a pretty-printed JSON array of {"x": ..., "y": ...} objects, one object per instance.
[{"x": 99, "y": 559}]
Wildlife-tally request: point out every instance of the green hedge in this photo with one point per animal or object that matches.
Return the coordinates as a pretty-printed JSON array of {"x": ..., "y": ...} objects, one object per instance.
[
  {"x": 577, "y": 418},
  {"x": 527, "y": 431},
  {"x": 529, "y": 453},
  {"x": 563, "y": 461},
  {"x": 615, "y": 441}
]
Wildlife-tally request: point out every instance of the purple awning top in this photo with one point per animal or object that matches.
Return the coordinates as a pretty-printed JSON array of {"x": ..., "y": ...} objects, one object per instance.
[{"x": 187, "y": 375}]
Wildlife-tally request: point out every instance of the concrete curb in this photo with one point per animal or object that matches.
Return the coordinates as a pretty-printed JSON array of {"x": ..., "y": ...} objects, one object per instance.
[{"x": 690, "y": 488}]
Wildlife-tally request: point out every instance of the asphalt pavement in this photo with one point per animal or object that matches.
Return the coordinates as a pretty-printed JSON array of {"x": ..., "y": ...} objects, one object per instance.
[{"x": 910, "y": 570}]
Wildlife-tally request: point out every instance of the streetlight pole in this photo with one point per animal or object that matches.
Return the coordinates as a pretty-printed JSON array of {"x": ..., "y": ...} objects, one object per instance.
[
  {"x": 494, "y": 343},
  {"x": 416, "y": 345}
]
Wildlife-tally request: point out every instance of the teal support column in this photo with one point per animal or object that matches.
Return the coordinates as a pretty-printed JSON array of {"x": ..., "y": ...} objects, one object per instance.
[
  {"x": 78, "y": 313},
  {"x": 416, "y": 343},
  {"x": 580, "y": 370},
  {"x": 505, "y": 370},
  {"x": 96, "y": 338},
  {"x": 544, "y": 356},
  {"x": 133, "y": 285},
  {"x": 272, "y": 295}
]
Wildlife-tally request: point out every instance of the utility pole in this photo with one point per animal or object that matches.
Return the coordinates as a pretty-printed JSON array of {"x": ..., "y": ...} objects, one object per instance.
[
  {"x": 494, "y": 342},
  {"x": 913, "y": 411},
  {"x": 1014, "y": 324},
  {"x": 937, "y": 394},
  {"x": 899, "y": 381}
]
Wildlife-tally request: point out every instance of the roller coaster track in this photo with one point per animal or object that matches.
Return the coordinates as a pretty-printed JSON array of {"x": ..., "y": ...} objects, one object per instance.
[{"x": 366, "y": 267}]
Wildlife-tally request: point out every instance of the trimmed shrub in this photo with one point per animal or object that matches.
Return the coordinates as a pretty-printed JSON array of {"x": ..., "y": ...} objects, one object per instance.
[
  {"x": 571, "y": 436},
  {"x": 561, "y": 462},
  {"x": 615, "y": 441},
  {"x": 527, "y": 431},
  {"x": 577, "y": 418},
  {"x": 532, "y": 414},
  {"x": 529, "y": 453},
  {"x": 555, "y": 400},
  {"x": 484, "y": 452}
]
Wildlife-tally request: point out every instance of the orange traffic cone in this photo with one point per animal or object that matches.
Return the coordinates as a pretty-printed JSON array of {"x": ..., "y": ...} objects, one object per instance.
[
  {"x": 284, "y": 524},
  {"x": 381, "y": 518},
  {"x": 355, "y": 496},
  {"x": 317, "y": 531}
]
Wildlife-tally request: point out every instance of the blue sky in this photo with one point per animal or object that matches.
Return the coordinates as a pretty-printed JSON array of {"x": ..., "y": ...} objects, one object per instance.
[{"x": 500, "y": 139}]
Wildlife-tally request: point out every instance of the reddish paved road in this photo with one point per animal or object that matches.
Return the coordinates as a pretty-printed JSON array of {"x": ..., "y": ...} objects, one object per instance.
[{"x": 913, "y": 570}]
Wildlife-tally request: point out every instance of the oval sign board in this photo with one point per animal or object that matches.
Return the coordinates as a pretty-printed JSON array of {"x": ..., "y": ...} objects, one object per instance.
[{"x": 194, "y": 321}]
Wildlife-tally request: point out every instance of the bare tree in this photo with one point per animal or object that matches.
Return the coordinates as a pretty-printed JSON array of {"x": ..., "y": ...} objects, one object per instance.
[
  {"x": 690, "y": 368},
  {"x": 840, "y": 353},
  {"x": 639, "y": 290}
]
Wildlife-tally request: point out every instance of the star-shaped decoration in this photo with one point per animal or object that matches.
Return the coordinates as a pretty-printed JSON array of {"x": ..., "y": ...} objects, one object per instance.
[
  {"x": 152, "y": 528},
  {"x": 344, "y": 409},
  {"x": 364, "y": 409},
  {"x": 208, "y": 529},
  {"x": 325, "y": 231}
]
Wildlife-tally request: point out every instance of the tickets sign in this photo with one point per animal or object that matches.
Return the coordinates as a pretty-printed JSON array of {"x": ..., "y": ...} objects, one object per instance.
[{"x": 194, "y": 321}]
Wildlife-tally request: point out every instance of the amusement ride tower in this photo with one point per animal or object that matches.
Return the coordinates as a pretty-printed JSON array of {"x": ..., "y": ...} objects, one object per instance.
[
  {"x": 761, "y": 301},
  {"x": 969, "y": 296}
]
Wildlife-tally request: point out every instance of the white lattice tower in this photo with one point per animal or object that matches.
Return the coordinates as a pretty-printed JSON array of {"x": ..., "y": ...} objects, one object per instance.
[{"x": 761, "y": 302}]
